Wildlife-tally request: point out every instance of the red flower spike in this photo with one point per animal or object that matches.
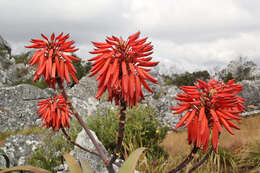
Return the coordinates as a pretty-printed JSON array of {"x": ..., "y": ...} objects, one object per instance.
[
  {"x": 119, "y": 67},
  {"x": 209, "y": 106},
  {"x": 54, "y": 112},
  {"x": 52, "y": 60}
]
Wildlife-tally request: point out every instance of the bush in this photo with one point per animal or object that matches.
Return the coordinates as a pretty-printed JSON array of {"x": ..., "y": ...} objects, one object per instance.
[{"x": 141, "y": 130}]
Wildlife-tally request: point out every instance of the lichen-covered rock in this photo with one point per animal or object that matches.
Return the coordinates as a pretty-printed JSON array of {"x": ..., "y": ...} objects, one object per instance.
[
  {"x": 16, "y": 73},
  {"x": 18, "y": 148},
  {"x": 18, "y": 106},
  {"x": 162, "y": 100},
  {"x": 83, "y": 99},
  {"x": 94, "y": 161},
  {"x": 251, "y": 92},
  {"x": 249, "y": 75},
  {"x": 5, "y": 45}
]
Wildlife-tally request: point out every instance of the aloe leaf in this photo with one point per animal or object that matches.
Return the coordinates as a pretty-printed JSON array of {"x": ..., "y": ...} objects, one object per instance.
[
  {"x": 85, "y": 166},
  {"x": 25, "y": 168},
  {"x": 130, "y": 164},
  {"x": 72, "y": 163},
  {"x": 7, "y": 161}
]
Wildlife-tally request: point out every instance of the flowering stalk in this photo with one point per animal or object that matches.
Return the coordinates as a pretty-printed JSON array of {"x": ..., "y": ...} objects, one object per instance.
[
  {"x": 56, "y": 66},
  {"x": 186, "y": 161},
  {"x": 209, "y": 106},
  {"x": 82, "y": 123},
  {"x": 206, "y": 157},
  {"x": 121, "y": 68},
  {"x": 120, "y": 132}
]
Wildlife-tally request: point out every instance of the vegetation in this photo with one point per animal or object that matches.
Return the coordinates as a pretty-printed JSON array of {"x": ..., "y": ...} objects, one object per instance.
[
  {"x": 40, "y": 83},
  {"x": 142, "y": 130},
  {"x": 186, "y": 78}
]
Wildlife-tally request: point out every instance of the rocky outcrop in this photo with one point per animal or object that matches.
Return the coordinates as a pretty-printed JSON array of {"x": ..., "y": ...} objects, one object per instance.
[
  {"x": 83, "y": 100},
  {"x": 94, "y": 161},
  {"x": 18, "y": 106},
  {"x": 239, "y": 69},
  {"x": 5, "y": 45},
  {"x": 15, "y": 73},
  {"x": 18, "y": 148},
  {"x": 248, "y": 74},
  {"x": 251, "y": 92}
]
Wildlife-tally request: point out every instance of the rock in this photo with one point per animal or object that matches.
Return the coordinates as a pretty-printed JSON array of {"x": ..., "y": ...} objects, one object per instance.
[
  {"x": 15, "y": 73},
  {"x": 5, "y": 45},
  {"x": 18, "y": 148},
  {"x": 163, "y": 100},
  {"x": 250, "y": 113},
  {"x": 18, "y": 106},
  {"x": 251, "y": 92},
  {"x": 249, "y": 74},
  {"x": 94, "y": 161},
  {"x": 83, "y": 98},
  {"x": 240, "y": 69}
]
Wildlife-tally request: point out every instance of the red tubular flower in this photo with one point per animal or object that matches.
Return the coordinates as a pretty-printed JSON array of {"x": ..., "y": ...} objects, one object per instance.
[
  {"x": 54, "y": 112},
  {"x": 209, "y": 106},
  {"x": 52, "y": 60},
  {"x": 120, "y": 67}
]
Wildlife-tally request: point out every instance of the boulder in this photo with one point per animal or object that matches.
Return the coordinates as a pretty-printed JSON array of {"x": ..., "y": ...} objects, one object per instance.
[
  {"x": 5, "y": 45},
  {"x": 18, "y": 148},
  {"x": 83, "y": 99},
  {"x": 94, "y": 161},
  {"x": 18, "y": 106}
]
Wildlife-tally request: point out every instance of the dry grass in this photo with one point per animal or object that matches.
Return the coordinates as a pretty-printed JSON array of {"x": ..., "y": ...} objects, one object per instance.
[
  {"x": 249, "y": 133},
  {"x": 236, "y": 147}
]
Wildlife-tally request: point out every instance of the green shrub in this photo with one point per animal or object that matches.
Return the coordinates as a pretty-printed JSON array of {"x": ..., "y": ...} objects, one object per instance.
[
  {"x": 141, "y": 130},
  {"x": 186, "y": 78}
]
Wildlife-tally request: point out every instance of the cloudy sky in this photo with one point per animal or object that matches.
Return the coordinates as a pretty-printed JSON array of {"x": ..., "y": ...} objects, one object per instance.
[{"x": 186, "y": 34}]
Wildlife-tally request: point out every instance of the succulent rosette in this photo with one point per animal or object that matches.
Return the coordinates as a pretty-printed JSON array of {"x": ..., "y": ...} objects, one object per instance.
[
  {"x": 54, "y": 112},
  {"x": 122, "y": 67},
  {"x": 209, "y": 107},
  {"x": 52, "y": 60}
]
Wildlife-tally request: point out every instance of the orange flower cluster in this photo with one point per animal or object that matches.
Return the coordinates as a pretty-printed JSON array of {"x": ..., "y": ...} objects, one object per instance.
[
  {"x": 209, "y": 106},
  {"x": 52, "y": 60},
  {"x": 54, "y": 112},
  {"x": 120, "y": 67}
]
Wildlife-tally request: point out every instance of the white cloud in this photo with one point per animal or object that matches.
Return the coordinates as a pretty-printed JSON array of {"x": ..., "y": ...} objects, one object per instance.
[{"x": 192, "y": 34}]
